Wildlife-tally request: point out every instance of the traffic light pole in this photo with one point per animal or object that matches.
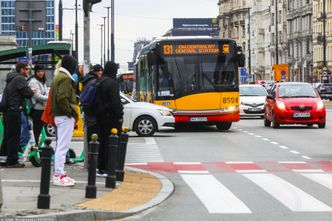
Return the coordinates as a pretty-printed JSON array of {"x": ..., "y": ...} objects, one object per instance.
[
  {"x": 60, "y": 19},
  {"x": 277, "y": 34},
  {"x": 324, "y": 33},
  {"x": 76, "y": 30},
  {"x": 108, "y": 33},
  {"x": 30, "y": 37},
  {"x": 112, "y": 34}
]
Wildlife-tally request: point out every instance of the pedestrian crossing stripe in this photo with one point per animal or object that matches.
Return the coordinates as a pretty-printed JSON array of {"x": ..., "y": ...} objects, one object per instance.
[{"x": 218, "y": 199}]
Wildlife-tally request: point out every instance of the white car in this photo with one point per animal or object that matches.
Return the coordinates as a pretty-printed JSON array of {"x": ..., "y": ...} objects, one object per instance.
[
  {"x": 252, "y": 99},
  {"x": 145, "y": 118}
]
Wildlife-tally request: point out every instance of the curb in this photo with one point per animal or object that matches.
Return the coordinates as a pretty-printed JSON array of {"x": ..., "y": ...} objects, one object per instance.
[{"x": 167, "y": 188}]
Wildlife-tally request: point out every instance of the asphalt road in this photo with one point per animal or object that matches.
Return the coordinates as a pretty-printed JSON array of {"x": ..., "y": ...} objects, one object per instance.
[{"x": 248, "y": 173}]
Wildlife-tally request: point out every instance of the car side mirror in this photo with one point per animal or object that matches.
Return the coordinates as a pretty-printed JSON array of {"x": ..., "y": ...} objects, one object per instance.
[
  {"x": 270, "y": 97},
  {"x": 124, "y": 101}
]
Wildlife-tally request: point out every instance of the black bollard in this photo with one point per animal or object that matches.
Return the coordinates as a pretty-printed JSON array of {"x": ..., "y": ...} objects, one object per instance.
[
  {"x": 124, "y": 137},
  {"x": 46, "y": 155},
  {"x": 91, "y": 188},
  {"x": 112, "y": 149}
]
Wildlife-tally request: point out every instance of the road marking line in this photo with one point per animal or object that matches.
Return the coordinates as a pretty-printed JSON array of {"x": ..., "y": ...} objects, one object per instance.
[
  {"x": 252, "y": 134},
  {"x": 266, "y": 139},
  {"x": 306, "y": 157},
  {"x": 215, "y": 196},
  {"x": 193, "y": 171},
  {"x": 251, "y": 171},
  {"x": 283, "y": 147},
  {"x": 185, "y": 163},
  {"x": 273, "y": 142},
  {"x": 239, "y": 162},
  {"x": 258, "y": 136},
  {"x": 307, "y": 170},
  {"x": 289, "y": 195},
  {"x": 150, "y": 140},
  {"x": 291, "y": 162},
  {"x": 294, "y": 152},
  {"x": 240, "y": 129},
  {"x": 323, "y": 179},
  {"x": 245, "y": 131}
]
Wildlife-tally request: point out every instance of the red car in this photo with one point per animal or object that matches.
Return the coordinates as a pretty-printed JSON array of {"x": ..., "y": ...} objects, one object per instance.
[{"x": 294, "y": 103}]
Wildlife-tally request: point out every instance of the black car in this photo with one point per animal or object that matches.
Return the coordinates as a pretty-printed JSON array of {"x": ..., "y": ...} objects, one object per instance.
[{"x": 325, "y": 91}]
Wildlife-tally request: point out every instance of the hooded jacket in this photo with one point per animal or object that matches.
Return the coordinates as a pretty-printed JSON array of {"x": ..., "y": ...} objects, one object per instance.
[
  {"x": 87, "y": 80},
  {"x": 39, "y": 99},
  {"x": 63, "y": 97},
  {"x": 17, "y": 89}
]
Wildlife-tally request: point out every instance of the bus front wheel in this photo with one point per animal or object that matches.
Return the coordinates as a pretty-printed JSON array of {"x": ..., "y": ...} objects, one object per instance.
[{"x": 224, "y": 125}]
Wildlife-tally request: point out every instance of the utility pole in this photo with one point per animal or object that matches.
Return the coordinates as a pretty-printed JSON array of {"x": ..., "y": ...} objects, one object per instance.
[
  {"x": 112, "y": 34},
  {"x": 324, "y": 34},
  {"x": 101, "y": 44},
  {"x": 249, "y": 44},
  {"x": 76, "y": 31},
  {"x": 104, "y": 40},
  {"x": 108, "y": 32},
  {"x": 277, "y": 34},
  {"x": 60, "y": 20}
]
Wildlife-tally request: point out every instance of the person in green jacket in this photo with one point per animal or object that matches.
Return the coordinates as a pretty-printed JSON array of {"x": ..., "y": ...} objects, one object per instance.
[{"x": 64, "y": 110}]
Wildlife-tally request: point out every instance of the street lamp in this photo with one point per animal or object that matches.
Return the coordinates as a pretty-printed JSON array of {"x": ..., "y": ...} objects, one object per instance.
[
  {"x": 101, "y": 44},
  {"x": 108, "y": 32}
]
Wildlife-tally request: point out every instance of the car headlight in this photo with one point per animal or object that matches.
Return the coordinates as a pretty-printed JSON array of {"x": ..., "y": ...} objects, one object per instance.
[
  {"x": 166, "y": 113},
  {"x": 281, "y": 105},
  {"x": 320, "y": 105}
]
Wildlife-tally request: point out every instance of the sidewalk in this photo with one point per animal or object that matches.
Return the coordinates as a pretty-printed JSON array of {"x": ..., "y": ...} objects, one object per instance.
[{"x": 140, "y": 190}]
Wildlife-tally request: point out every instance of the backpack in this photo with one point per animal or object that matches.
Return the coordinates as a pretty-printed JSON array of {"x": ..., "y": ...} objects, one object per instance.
[{"x": 89, "y": 99}]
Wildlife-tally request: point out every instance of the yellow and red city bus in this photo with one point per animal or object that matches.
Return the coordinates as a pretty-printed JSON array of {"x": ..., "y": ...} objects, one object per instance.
[{"x": 197, "y": 77}]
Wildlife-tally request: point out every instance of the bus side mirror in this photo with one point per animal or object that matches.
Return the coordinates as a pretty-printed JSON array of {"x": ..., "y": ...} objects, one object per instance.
[{"x": 241, "y": 60}]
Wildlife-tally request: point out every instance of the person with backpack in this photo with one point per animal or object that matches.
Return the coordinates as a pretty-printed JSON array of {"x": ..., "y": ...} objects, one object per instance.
[
  {"x": 87, "y": 98},
  {"x": 64, "y": 109},
  {"x": 12, "y": 104},
  {"x": 109, "y": 112},
  {"x": 38, "y": 101}
]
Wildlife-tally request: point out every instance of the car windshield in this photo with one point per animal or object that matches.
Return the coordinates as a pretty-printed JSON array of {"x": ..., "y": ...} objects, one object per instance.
[
  {"x": 252, "y": 91},
  {"x": 296, "y": 91}
]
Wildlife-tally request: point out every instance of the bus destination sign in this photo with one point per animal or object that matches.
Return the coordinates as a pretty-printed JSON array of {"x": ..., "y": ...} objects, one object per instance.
[{"x": 186, "y": 49}]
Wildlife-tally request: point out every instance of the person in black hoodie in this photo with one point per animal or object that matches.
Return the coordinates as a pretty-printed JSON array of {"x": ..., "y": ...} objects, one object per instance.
[
  {"x": 16, "y": 90},
  {"x": 110, "y": 112},
  {"x": 89, "y": 118}
]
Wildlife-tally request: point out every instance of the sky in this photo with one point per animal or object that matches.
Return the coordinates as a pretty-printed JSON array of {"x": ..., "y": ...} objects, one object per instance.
[{"x": 134, "y": 19}]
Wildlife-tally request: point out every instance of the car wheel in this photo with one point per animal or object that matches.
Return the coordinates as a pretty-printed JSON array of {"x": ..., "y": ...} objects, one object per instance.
[
  {"x": 50, "y": 130},
  {"x": 310, "y": 125},
  {"x": 145, "y": 126},
  {"x": 267, "y": 123},
  {"x": 322, "y": 125},
  {"x": 224, "y": 126}
]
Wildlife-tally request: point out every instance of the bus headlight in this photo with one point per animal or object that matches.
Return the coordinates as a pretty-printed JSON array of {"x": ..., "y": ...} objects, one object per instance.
[
  {"x": 166, "y": 113},
  {"x": 230, "y": 109}
]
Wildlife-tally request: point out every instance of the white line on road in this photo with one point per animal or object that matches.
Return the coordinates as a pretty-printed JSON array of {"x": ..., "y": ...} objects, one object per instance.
[
  {"x": 323, "y": 179},
  {"x": 258, "y": 136},
  {"x": 240, "y": 129},
  {"x": 273, "y": 142},
  {"x": 185, "y": 163},
  {"x": 252, "y": 134},
  {"x": 251, "y": 171},
  {"x": 283, "y": 147},
  {"x": 266, "y": 139},
  {"x": 306, "y": 157},
  {"x": 294, "y": 152},
  {"x": 214, "y": 195},
  {"x": 291, "y": 162},
  {"x": 150, "y": 140},
  {"x": 292, "y": 197},
  {"x": 245, "y": 131}
]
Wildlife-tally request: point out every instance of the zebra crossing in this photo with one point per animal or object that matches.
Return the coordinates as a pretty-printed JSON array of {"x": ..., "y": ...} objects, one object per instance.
[
  {"x": 143, "y": 150},
  {"x": 218, "y": 198}
]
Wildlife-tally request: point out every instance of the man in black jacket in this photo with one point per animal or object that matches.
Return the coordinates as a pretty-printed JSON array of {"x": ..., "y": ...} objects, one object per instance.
[
  {"x": 17, "y": 89},
  {"x": 110, "y": 112},
  {"x": 89, "y": 118}
]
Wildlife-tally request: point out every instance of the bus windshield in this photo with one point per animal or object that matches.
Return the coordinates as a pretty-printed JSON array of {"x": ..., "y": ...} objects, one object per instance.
[{"x": 181, "y": 75}]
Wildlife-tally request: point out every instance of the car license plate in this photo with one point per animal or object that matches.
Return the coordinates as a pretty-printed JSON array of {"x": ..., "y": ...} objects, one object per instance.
[
  {"x": 198, "y": 119},
  {"x": 301, "y": 115},
  {"x": 254, "y": 109}
]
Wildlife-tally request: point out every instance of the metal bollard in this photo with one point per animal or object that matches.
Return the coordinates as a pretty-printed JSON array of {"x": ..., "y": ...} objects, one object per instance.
[
  {"x": 91, "y": 188},
  {"x": 44, "y": 197},
  {"x": 124, "y": 137},
  {"x": 112, "y": 148}
]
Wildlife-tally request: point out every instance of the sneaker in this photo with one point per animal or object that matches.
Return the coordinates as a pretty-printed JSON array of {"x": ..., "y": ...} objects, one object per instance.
[
  {"x": 15, "y": 165},
  {"x": 101, "y": 173},
  {"x": 62, "y": 180}
]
